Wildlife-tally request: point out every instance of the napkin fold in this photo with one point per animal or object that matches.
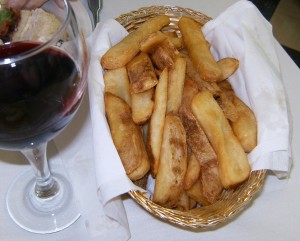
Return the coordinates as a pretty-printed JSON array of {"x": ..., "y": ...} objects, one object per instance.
[{"x": 240, "y": 32}]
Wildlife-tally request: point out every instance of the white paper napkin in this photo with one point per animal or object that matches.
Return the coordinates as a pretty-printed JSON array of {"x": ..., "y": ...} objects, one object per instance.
[{"x": 241, "y": 32}]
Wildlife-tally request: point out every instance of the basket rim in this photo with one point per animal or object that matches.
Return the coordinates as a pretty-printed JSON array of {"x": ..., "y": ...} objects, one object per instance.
[{"x": 203, "y": 217}]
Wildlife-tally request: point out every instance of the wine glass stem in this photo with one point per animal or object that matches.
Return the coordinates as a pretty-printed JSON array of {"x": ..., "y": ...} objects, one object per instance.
[{"x": 45, "y": 186}]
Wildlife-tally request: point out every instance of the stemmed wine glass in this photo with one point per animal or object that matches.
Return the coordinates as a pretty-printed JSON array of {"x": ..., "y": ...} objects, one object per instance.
[{"x": 42, "y": 83}]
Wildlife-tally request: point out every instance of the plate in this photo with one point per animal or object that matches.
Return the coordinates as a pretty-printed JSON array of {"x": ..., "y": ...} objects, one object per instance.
[{"x": 231, "y": 202}]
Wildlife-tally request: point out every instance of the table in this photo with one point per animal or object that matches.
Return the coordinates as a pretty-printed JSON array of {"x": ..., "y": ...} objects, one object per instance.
[{"x": 273, "y": 215}]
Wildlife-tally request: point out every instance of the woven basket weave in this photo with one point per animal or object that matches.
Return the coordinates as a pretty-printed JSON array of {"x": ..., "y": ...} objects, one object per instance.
[{"x": 230, "y": 202}]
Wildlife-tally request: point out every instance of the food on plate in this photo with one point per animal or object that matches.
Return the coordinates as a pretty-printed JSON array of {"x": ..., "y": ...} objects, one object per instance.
[
  {"x": 173, "y": 163},
  {"x": 142, "y": 106},
  {"x": 173, "y": 114},
  {"x": 127, "y": 137},
  {"x": 30, "y": 25},
  {"x": 156, "y": 125},
  {"x": 228, "y": 66},
  {"x": 234, "y": 167},
  {"x": 117, "y": 82},
  {"x": 141, "y": 73},
  {"x": 9, "y": 19},
  {"x": 198, "y": 50},
  {"x": 120, "y": 54},
  {"x": 176, "y": 84}
]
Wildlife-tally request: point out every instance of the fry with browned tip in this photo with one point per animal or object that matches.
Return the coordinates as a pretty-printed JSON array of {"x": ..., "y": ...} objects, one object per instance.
[
  {"x": 127, "y": 137},
  {"x": 199, "y": 52},
  {"x": 234, "y": 167},
  {"x": 173, "y": 163},
  {"x": 121, "y": 53}
]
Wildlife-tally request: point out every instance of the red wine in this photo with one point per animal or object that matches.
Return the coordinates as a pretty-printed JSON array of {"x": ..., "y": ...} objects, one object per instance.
[{"x": 36, "y": 95}]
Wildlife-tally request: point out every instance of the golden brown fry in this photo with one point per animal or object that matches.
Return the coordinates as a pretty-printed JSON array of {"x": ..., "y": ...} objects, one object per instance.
[
  {"x": 183, "y": 203},
  {"x": 196, "y": 138},
  {"x": 142, "y": 106},
  {"x": 177, "y": 41},
  {"x": 157, "y": 121},
  {"x": 196, "y": 193},
  {"x": 193, "y": 74},
  {"x": 200, "y": 54},
  {"x": 245, "y": 127},
  {"x": 228, "y": 66},
  {"x": 176, "y": 84},
  {"x": 210, "y": 179},
  {"x": 116, "y": 82},
  {"x": 234, "y": 167},
  {"x": 127, "y": 137},
  {"x": 149, "y": 44},
  {"x": 120, "y": 54},
  {"x": 141, "y": 73},
  {"x": 164, "y": 55},
  {"x": 192, "y": 173},
  {"x": 172, "y": 165}
]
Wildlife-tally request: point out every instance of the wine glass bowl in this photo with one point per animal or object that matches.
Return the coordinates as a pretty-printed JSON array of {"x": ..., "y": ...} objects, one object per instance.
[{"x": 42, "y": 83}]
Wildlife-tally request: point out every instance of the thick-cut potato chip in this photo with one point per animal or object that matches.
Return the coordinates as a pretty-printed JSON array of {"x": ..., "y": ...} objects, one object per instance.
[
  {"x": 157, "y": 121},
  {"x": 200, "y": 54},
  {"x": 120, "y": 54},
  {"x": 228, "y": 66},
  {"x": 141, "y": 73},
  {"x": 127, "y": 137},
  {"x": 116, "y": 82},
  {"x": 176, "y": 84},
  {"x": 142, "y": 106},
  {"x": 234, "y": 167},
  {"x": 172, "y": 165}
]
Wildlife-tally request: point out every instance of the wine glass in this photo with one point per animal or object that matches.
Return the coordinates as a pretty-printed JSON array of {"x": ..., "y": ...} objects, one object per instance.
[{"x": 41, "y": 86}]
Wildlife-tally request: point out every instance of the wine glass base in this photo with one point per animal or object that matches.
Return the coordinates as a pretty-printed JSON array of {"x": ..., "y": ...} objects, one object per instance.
[{"x": 41, "y": 215}]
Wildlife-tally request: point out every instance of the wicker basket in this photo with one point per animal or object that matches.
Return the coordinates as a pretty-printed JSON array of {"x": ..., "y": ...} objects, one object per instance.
[{"x": 230, "y": 202}]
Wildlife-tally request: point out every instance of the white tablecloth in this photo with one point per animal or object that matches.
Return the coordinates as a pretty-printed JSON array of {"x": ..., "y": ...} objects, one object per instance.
[{"x": 273, "y": 215}]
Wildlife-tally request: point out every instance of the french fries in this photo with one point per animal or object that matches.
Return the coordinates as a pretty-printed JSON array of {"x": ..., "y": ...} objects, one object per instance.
[
  {"x": 142, "y": 106},
  {"x": 120, "y": 54},
  {"x": 173, "y": 163},
  {"x": 141, "y": 73},
  {"x": 157, "y": 121},
  {"x": 116, "y": 82},
  {"x": 228, "y": 66},
  {"x": 173, "y": 114},
  {"x": 199, "y": 52},
  {"x": 234, "y": 167},
  {"x": 126, "y": 136},
  {"x": 176, "y": 84}
]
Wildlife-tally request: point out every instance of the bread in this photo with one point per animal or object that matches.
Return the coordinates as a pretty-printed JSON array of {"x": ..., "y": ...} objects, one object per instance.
[{"x": 32, "y": 25}]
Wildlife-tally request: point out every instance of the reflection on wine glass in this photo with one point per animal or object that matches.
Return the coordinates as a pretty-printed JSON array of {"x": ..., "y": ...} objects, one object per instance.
[{"x": 41, "y": 86}]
